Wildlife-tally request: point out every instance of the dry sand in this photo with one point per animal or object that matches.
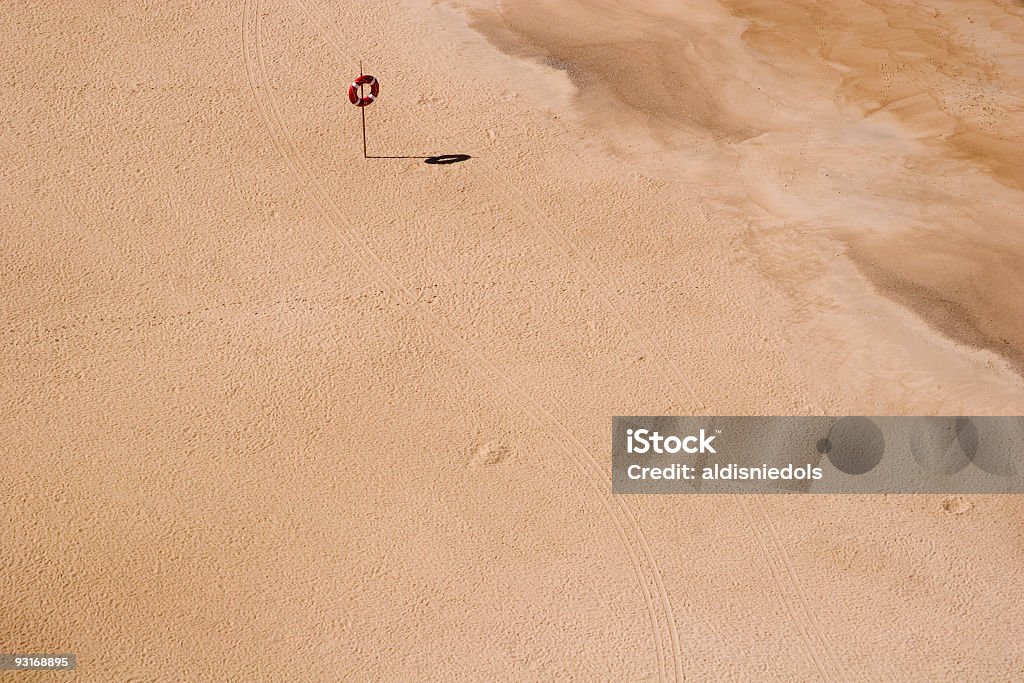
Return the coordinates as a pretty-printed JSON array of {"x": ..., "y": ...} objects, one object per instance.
[{"x": 271, "y": 411}]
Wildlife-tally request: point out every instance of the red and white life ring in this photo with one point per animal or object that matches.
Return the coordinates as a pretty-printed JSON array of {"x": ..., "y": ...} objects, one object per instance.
[{"x": 353, "y": 91}]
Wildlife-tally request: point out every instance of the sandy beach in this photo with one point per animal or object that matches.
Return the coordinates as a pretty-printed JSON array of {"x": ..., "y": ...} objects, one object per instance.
[{"x": 274, "y": 411}]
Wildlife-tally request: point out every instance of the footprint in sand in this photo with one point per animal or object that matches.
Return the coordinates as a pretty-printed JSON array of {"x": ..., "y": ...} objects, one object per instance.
[
  {"x": 491, "y": 453},
  {"x": 957, "y": 505}
]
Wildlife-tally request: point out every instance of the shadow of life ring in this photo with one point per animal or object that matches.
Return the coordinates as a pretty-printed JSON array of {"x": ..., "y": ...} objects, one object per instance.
[
  {"x": 447, "y": 159},
  {"x": 353, "y": 91}
]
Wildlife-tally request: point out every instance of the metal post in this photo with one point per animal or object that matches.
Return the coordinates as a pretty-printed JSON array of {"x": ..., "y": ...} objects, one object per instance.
[{"x": 362, "y": 110}]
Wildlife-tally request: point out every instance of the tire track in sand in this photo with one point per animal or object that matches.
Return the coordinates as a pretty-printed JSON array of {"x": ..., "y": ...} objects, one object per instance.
[
  {"x": 807, "y": 628},
  {"x": 641, "y": 560},
  {"x": 816, "y": 630},
  {"x": 788, "y": 583}
]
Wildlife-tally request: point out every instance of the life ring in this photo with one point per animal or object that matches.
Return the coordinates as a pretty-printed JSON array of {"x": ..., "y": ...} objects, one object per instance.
[{"x": 353, "y": 91}]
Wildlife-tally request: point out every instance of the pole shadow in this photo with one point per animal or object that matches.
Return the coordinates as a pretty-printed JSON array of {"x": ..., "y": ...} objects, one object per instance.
[{"x": 441, "y": 159}]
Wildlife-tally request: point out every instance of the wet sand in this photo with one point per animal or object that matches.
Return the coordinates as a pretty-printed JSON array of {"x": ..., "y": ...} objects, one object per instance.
[
  {"x": 892, "y": 128},
  {"x": 273, "y": 411}
]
